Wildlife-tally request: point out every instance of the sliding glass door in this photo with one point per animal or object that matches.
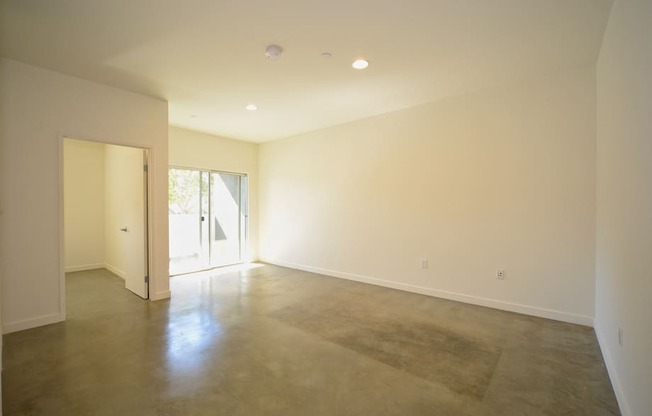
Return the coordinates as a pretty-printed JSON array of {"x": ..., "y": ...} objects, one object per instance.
[{"x": 208, "y": 219}]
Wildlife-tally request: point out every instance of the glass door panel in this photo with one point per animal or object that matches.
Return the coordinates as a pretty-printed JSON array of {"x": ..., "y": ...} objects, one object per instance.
[
  {"x": 208, "y": 220},
  {"x": 204, "y": 220},
  {"x": 226, "y": 221},
  {"x": 185, "y": 214}
]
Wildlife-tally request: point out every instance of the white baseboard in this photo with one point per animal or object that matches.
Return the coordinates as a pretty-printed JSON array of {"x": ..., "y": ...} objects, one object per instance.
[
  {"x": 611, "y": 369},
  {"x": 460, "y": 297},
  {"x": 83, "y": 267},
  {"x": 115, "y": 270},
  {"x": 161, "y": 295},
  {"x": 10, "y": 327}
]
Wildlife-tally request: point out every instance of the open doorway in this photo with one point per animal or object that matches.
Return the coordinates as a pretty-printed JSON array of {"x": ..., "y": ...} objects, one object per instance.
[
  {"x": 208, "y": 219},
  {"x": 105, "y": 211}
]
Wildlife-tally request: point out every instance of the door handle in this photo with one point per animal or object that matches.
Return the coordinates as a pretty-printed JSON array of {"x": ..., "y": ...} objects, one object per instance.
[{"x": 124, "y": 229}]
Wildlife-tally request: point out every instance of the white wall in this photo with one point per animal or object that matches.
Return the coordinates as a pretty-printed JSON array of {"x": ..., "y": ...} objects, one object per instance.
[
  {"x": 39, "y": 107},
  {"x": 624, "y": 203},
  {"x": 497, "y": 179},
  {"x": 204, "y": 151},
  {"x": 83, "y": 204}
]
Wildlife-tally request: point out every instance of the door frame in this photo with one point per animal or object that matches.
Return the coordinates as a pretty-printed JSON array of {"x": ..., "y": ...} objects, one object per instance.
[
  {"x": 149, "y": 214},
  {"x": 243, "y": 241}
]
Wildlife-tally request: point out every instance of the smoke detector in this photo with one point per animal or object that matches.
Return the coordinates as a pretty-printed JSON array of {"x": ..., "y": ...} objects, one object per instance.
[{"x": 273, "y": 52}]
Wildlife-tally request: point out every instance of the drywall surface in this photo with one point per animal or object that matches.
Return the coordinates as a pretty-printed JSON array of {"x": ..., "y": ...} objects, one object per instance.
[
  {"x": 197, "y": 150},
  {"x": 39, "y": 108},
  {"x": 83, "y": 204},
  {"x": 503, "y": 179},
  {"x": 624, "y": 204}
]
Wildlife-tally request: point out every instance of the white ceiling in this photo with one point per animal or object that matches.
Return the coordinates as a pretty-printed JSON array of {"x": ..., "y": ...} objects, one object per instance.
[{"x": 206, "y": 57}]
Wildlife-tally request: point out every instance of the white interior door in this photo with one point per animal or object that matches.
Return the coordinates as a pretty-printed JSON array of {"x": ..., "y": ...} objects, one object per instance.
[{"x": 134, "y": 228}]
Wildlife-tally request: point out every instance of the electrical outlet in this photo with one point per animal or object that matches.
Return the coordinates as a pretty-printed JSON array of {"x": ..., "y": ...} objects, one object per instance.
[
  {"x": 620, "y": 336},
  {"x": 500, "y": 274},
  {"x": 424, "y": 264}
]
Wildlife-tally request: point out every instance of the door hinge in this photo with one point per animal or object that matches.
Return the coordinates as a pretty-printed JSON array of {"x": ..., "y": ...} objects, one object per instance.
[
  {"x": 145, "y": 167},
  {"x": 146, "y": 279}
]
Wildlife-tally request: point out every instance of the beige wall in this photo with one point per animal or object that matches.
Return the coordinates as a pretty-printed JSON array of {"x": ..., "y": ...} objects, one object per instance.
[
  {"x": 39, "y": 107},
  {"x": 624, "y": 207},
  {"x": 499, "y": 179},
  {"x": 83, "y": 204},
  {"x": 204, "y": 151}
]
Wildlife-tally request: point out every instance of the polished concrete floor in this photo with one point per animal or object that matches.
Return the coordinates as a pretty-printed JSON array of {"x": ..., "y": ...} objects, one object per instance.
[{"x": 275, "y": 341}]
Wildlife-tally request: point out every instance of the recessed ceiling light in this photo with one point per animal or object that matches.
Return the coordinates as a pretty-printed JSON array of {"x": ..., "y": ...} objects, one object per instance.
[
  {"x": 193, "y": 116},
  {"x": 326, "y": 55},
  {"x": 360, "y": 64},
  {"x": 251, "y": 107}
]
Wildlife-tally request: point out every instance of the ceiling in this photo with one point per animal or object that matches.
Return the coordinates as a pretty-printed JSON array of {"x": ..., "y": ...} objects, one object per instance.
[{"x": 206, "y": 57}]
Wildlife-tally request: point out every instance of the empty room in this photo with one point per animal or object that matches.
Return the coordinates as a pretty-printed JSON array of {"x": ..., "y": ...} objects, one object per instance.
[{"x": 326, "y": 208}]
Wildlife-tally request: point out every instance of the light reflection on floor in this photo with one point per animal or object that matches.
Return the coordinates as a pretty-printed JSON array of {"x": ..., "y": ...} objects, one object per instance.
[{"x": 198, "y": 327}]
